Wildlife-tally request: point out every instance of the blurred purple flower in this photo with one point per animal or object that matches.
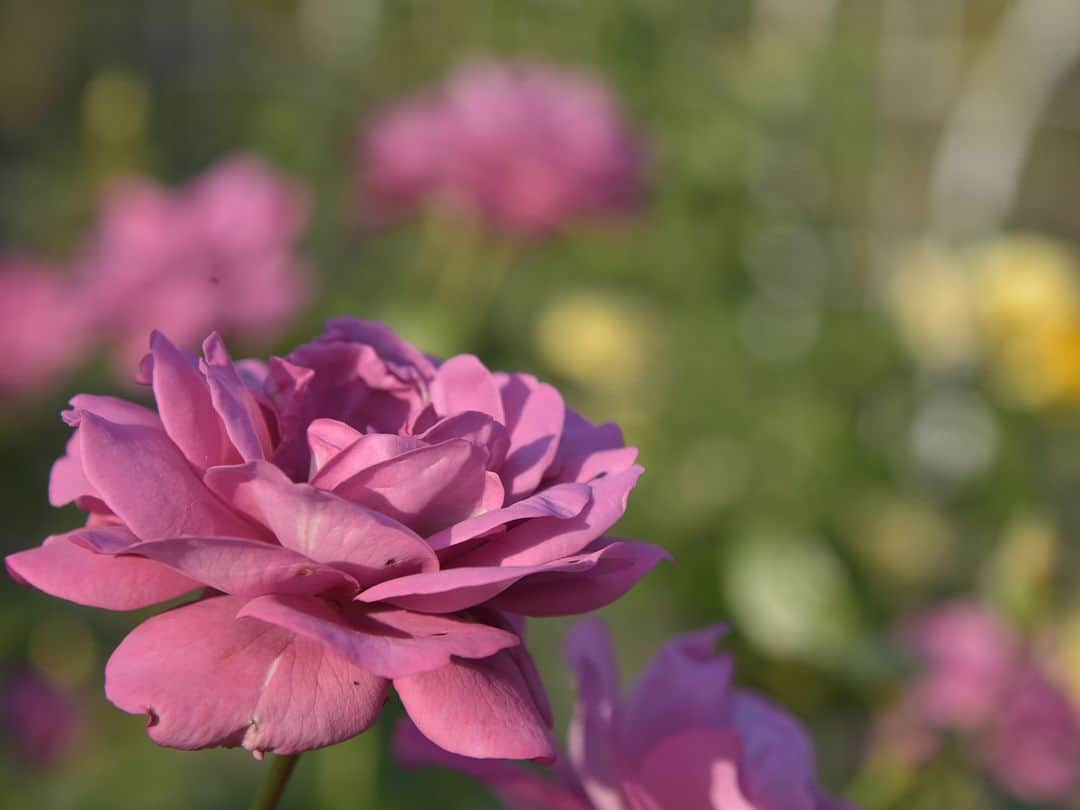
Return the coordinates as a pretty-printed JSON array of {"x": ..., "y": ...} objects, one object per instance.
[
  {"x": 683, "y": 737},
  {"x": 39, "y": 719},
  {"x": 218, "y": 253},
  {"x": 523, "y": 147},
  {"x": 979, "y": 680},
  {"x": 42, "y": 326}
]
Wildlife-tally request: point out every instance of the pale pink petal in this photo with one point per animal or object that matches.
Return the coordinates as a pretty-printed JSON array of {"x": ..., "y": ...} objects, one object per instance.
[
  {"x": 463, "y": 383},
  {"x": 184, "y": 403},
  {"x": 366, "y": 451},
  {"x": 240, "y": 413},
  {"x": 386, "y": 641},
  {"x": 147, "y": 482},
  {"x": 654, "y": 710},
  {"x": 546, "y": 539},
  {"x": 67, "y": 482},
  {"x": 534, "y": 421},
  {"x": 607, "y": 571},
  {"x": 230, "y": 564},
  {"x": 426, "y": 489},
  {"x": 516, "y": 787},
  {"x": 327, "y": 438},
  {"x": 205, "y": 678},
  {"x": 562, "y": 502},
  {"x": 113, "y": 409},
  {"x": 65, "y": 569},
  {"x": 322, "y": 526},
  {"x": 478, "y": 428},
  {"x": 481, "y": 709},
  {"x": 697, "y": 770}
]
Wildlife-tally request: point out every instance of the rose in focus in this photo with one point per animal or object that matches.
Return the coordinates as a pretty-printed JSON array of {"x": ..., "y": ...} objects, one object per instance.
[
  {"x": 354, "y": 516},
  {"x": 683, "y": 737}
]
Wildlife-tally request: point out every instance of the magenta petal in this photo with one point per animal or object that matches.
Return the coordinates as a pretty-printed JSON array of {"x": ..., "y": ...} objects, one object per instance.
[
  {"x": 478, "y": 428},
  {"x": 321, "y": 526},
  {"x": 240, "y": 413},
  {"x": 230, "y": 564},
  {"x": 481, "y": 709},
  {"x": 654, "y": 711},
  {"x": 327, "y": 438},
  {"x": 534, "y": 421},
  {"x": 516, "y": 787},
  {"x": 206, "y": 678},
  {"x": 616, "y": 566},
  {"x": 62, "y": 568},
  {"x": 546, "y": 539},
  {"x": 463, "y": 383},
  {"x": 588, "y": 450},
  {"x": 563, "y": 502},
  {"x": 145, "y": 480},
  {"x": 698, "y": 770},
  {"x": 183, "y": 401},
  {"x": 454, "y": 589},
  {"x": 427, "y": 489},
  {"x": 386, "y": 641},
  {"x": 366, "y": 451}
]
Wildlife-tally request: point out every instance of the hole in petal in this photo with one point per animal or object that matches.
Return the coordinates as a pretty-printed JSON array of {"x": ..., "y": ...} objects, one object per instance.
[{"x": 391, "y": 561}]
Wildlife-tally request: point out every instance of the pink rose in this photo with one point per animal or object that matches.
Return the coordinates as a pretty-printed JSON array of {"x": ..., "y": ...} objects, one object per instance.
[
  {"x": 356, "y": 516},
  {"x": 684, "y": 737},
  {"x": 522, "y": 147}
]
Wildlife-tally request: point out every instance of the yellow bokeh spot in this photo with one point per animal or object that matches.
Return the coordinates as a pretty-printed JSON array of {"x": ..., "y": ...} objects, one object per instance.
[{"x": 116, "y": 107}]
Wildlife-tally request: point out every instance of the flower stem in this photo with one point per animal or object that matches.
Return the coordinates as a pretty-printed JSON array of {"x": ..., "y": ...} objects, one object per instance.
[{"x": 274, "y": 787}]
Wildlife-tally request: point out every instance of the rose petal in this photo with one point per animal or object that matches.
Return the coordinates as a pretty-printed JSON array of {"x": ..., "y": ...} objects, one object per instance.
[
  {"x": 534, "y": 422},
  {"x": 366, "y": 451},
  {"x": 478, "y": 428},
  {"x": 206, "y": 678},
  {"x": 697, "y": 770},
  {"x": 327, "y": 438},
  {"x": 69, "y": 571},
  {"x": 463, "y": 383},
  {"x": 587, "y": 450},
  {"x": 386, "y": 641},
  {"x": 240, "y": 413}
]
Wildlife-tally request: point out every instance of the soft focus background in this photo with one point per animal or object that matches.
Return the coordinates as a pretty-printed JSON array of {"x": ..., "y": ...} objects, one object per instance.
[{"x": 842, "y": 323}]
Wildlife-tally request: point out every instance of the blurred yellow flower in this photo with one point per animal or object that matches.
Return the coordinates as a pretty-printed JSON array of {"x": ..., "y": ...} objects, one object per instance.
[
  {"x": 116, "y": 106},
  {"x": 1018, "y": 572}
]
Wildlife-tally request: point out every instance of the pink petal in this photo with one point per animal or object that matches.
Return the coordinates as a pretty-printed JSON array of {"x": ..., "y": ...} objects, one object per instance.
[
  {"x": 145, "y": 480},
  {"x": 206, "y": 678},
  {"x": 66, "y": 479},
  {"x": 113, "y": 409},
  {"x": 183, "y": 400},
  {"x": 427, "y": 489},
  {"x": 478, "y": 428},
  {"x": 588, "y": 450},
  {"x": 455, "y": 589},
  {"x": 516, "y": 787},
  {"x": 616, "y": 566},
  {"x": 230, "y": 564},
  {"x": 696, "y": 770},
  {"x": 546, "y": 539},
  {"x": 321, "y": 526},
  {"x": 327, "y": 438},
  {"x": 239, "y": 412},
  {"x": 480, "y": 709},
  {"x": 65, "y": 569},
  {"x": 366, "y": 451},
  {"x": 386, "y": 641},
  {"x": 534, "y": 421},
  {"x": 463, "y": 383},
  {"x": 563, "y": 502},
  {"x": 654, "y": 710}
]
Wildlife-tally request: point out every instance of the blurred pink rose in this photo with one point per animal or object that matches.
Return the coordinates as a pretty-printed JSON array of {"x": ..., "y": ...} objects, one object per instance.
[
  {"x": 683, "y": 737},
  {"x": 43, "y": 327},
  {"x": 362, "y": 516},
  {"x": 523, "y": 147},
  {"x": 39, "y": 719},
  {"x": 979, "y": 679},
  {"x": 216, "y": 253}
]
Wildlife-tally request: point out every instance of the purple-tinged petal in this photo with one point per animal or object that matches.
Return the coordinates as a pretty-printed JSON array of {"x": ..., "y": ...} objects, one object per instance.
[
  {"x": 426, "y": 489},
  {"x": 479, "y": 428},
  {"x": 240, "y": 413},
  {"x": 67, "y": 482},
  {"x": 697, "y": 770},
  {"x": 113, "y": 409},
  {"x": 588, "y": 450},
  {"x": 546, "y": 539},
  {"x": 327, "y": 438},
  {"x": 480, "y": 709},
  {"x": 389, "y": 642},
  {"x": 205, "y": 678},
  {"x": 515, "y": 787},
  {"x": 323, "y": 527},
  {"x": 367, "y": 451},
  {"x": 604, "y": 574},
  {"x": 184, "y": 403},
  {"x": 534, "y": 422},
  {"x": 463, "y": 383},
  {"x": 230, "y": 564},
  {"x": 147, "y": 482},
  {"x": 69, "y": 571},
  {"x": 562, "y": 502}
]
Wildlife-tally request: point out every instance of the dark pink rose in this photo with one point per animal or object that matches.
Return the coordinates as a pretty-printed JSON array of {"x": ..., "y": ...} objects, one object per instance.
[
  {"x": 220, "y": 252},
  {"x": 684, "y": 737},
  {"x": 522, "y": 147},
  {"x": 356, "y": 516}
]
